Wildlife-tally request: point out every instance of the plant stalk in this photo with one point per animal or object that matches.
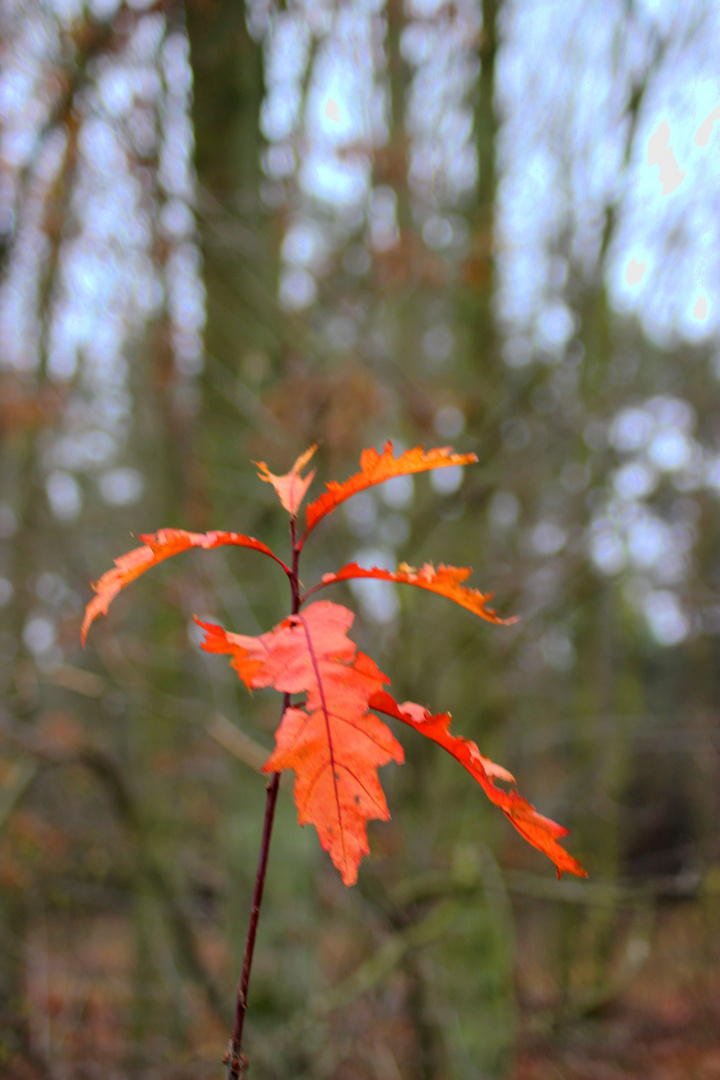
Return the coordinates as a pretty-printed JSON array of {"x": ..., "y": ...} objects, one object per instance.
[{"x": 235, "y": 1061}]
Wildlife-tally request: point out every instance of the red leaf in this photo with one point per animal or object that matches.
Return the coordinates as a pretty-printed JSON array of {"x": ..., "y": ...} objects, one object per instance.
[
  {"x": 157, "y": 547},
  {"x": 539, "y": 831},
  {"x": 332, "y": 742},
  {"x": 446, "y": 581},
  {"x": 247, "y": 653},
  {"x": 375, "y": 469},
  {"x": 291, "y": 487}
]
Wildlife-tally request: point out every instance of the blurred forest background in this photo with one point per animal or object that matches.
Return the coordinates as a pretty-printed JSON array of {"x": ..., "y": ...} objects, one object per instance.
[{"x": 229, "y": 230}]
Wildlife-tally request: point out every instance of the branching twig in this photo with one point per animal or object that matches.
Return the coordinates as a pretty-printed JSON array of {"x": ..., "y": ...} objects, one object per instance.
[
  {"x": 237, "y": 742},
  {"x": 109, "y": 773},
  {"x": 389, "y": 956},
  {"x": 437, "y": 884}
]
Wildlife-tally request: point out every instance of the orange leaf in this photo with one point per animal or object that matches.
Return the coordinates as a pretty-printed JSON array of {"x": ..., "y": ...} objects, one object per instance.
[
  {"x": 332, "y": 742},
  {"x": 247, "y": 652},
  {"x": 446, "y": 581},
  {"x": 157, "y": 547},
  {"x": 292, "y": 487},
  {"x": 375, "y": 469},
  {"x": 539, "y": 831}
]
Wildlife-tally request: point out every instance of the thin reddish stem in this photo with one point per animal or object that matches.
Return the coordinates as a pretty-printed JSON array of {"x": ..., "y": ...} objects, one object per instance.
[
  {"x": 235, "y": 1060},
  {"x": 314, "y": 589}
]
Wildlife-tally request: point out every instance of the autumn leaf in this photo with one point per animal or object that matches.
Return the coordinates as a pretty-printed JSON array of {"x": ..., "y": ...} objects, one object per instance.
[
  {"x": 332, "y": 742},
  {"x": 247, "y": 653},
  {"x": 445, "y": 580},
  {"x": 291, "y": 487},
  {"x": 375, "y": 469},
  {"x": 157, "y": 547},
  {"x": 539, "y": 831},
  {"x": 335, "y": 744}
]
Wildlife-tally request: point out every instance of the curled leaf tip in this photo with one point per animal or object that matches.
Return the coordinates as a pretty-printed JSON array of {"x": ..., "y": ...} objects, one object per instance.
[{"x": 291, "y": 487}]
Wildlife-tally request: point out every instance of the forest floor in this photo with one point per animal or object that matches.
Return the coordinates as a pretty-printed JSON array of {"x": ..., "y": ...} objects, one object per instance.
[
  {"x": 664, "y": 1025},
  {"x": 83, "y": 1015}
]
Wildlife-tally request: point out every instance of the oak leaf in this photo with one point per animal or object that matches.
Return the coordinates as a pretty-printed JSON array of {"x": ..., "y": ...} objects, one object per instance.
[
  {"x": 539, "y": 831},
  {"x": 445, "y": 580},
  {"x": 247, "y": 653},
  {"x": 157, "y": 547},
  {"x": 332, "y": 742},
  {"x": 291, "y": 488},
  {"x": 375, "y": 469}
]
